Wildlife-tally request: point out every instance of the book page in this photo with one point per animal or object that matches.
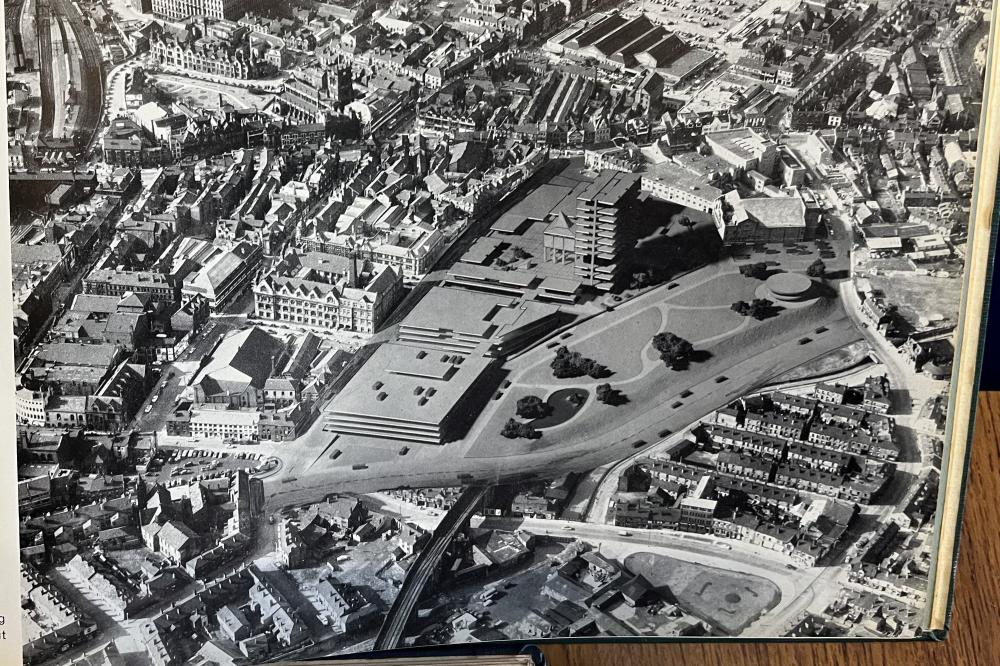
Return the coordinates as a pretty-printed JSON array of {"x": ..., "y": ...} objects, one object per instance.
[{"x": 346, "y": 326}]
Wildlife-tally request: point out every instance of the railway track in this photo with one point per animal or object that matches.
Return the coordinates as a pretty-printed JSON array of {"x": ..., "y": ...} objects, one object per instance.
[
  {"x": 43, "y": 22},
  {"x": 78, "y": 58}
]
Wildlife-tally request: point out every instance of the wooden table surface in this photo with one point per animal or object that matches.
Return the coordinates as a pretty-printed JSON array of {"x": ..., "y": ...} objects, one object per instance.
[{"x": 975, "y": 634}]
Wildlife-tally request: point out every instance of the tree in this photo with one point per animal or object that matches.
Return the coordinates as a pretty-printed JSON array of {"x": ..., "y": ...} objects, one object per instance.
[
  {"x": 760, "y": 308},
  {"x": 598, "y": 371},
  {"x": 674, "y": 350},
  {"x": 514, "y": 429},
  {"x": 641, "y": 279},
  {"x": 817, "y": 269},
  {"x": 604, "y": 392},
  {"x": 687, "y": 222},
  {"x": 532, "y": 407},
  {"x": 741, "y": 307},
  {"x": 757, "y": 270},
  {"x": 574, "y": 364}
]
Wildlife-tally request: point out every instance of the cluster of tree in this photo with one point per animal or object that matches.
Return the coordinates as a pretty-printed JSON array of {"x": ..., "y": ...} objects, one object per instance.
[
  {"x": 674, "y": 350},
  {"x": 758, "y": 308},
  {"x": 758, "y": 270},
  {"x": 514, "y": 429},
  {"x": 532, "y": 407},
  {"x": 574, "y": 364},
  {"x": 643, "y": 279},
  {"x": 817, "y": 269}
]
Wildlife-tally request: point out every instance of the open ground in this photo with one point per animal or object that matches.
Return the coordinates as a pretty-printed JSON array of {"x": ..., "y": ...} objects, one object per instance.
[{"x": 727, "y": 601}]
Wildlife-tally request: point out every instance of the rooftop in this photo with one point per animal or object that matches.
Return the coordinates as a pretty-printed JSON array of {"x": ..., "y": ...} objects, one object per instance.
[{"x": 406, "y": 383}]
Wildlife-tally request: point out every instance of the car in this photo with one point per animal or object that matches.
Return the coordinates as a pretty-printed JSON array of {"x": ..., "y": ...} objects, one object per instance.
[
  {"x": 638, "y": 444},
  {"x": 666, "y": 432},
  {"x": 568, "y": 528},
  {"x": 155, "y": 398},
  {"x": 403, "y": 451},
  {"x": 791, "y": 567},
  {"x": 359, "y": 466},
  {"x": 624, "y": 533},
  {"x": 804, "y": 341},
  {"x": 720, "y": 379},
  {"x": 148, "y": 409},
  {"x": 686, "y": 394},
  {"x": 677, "y": 404}
]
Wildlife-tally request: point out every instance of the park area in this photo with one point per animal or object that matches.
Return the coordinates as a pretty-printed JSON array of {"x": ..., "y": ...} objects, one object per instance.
[
  {"x": 728, "y": 601},
  {"x": 731, "y": 353}
]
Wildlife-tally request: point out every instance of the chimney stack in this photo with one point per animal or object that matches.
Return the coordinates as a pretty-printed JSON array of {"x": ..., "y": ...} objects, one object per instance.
[{"x": 352, "y": 277}]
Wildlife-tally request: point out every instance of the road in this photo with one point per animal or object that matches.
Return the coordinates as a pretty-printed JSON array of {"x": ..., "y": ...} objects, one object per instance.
[{"x": 423, "y": 569}]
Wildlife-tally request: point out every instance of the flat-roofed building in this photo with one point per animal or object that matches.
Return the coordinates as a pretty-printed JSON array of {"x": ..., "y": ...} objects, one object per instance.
[
  {"x": 673, "y": 183},
  {"x": 745, "y": 149},
  {"x": 469, "y": 321},
  {"x": 410, "y": 393},
  {"x": 225, "y": 424}
]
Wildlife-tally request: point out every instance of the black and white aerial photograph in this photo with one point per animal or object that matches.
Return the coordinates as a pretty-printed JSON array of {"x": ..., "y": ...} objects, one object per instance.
[{"x": 352, "y": 325}]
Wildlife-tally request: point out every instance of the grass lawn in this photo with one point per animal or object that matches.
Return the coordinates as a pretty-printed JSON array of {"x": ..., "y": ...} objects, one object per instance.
[
  {"x": 721, "y": 290},
  {"x": 620, "y": 347},
  {"x": 728, "y": 601},
  {"x": 697, "y": 325}
]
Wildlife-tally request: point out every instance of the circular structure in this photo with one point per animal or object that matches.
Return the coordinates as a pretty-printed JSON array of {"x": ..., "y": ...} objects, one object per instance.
[{"x": 789, "y": 287}]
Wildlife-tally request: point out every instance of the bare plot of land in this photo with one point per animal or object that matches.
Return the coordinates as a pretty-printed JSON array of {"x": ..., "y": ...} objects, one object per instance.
[
  {"x": 729, "y": 602},
  {"x": 838, "y": 360},
  {"x": 918, "y": 295},
  {"x": 204, "y": 94}
]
